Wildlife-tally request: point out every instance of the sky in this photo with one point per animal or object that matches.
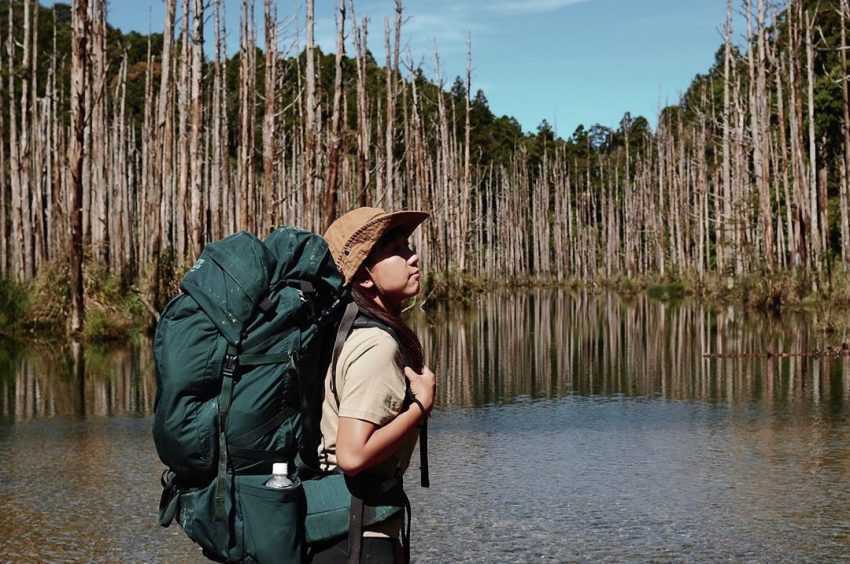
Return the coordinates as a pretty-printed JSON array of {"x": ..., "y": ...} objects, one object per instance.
[{"x": 570, "y": 62}]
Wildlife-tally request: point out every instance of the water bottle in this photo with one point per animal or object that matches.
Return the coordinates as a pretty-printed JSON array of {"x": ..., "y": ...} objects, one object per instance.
[{"x": 280, "y": 479}]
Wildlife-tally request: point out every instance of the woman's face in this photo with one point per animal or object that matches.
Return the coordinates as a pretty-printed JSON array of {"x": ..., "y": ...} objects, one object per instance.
[{"x": 393, "y": 269}]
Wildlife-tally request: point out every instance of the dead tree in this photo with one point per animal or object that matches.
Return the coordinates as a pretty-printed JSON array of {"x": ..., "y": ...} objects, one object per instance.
[{"x": 79, "y": 54}]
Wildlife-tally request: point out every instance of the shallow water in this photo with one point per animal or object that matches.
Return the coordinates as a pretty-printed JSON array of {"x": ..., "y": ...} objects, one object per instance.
[{"x": 569, "y": 428}]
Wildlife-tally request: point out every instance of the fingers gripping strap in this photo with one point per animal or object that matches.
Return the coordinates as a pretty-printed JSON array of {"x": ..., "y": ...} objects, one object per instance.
[
  {"x": 341, "y": 335},
  {"x": 224, "y": 400}
]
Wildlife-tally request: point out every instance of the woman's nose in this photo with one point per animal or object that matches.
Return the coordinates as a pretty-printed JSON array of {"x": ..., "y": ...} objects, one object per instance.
[{"x": 413, "y": 259}]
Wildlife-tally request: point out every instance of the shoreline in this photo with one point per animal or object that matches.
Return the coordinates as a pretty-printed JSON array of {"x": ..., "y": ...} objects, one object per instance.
[
  {"x": 774, "y": 292},
  {"x": 116, "y": 312}
]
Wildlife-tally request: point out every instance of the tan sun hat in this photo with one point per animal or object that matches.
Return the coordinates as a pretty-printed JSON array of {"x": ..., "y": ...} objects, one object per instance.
[{"x": 352, "y": 236}]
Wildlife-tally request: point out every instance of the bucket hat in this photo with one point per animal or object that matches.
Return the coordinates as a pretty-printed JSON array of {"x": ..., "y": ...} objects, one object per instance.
[{"x": 352, "y": 236}]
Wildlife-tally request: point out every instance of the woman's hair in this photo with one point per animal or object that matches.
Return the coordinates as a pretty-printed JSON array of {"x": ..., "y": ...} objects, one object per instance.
[{"x": 407, "y": 339}]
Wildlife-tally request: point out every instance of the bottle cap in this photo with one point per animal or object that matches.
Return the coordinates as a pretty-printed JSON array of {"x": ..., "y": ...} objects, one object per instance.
[{"x": 280, "y": 468}]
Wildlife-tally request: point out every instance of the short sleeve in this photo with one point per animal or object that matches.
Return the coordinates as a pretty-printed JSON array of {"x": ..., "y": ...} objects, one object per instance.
[{"x": 373, "y": 386}]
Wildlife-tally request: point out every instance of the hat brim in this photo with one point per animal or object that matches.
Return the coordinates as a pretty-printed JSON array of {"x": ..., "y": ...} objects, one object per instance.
[{"x": 404, "y": 222}]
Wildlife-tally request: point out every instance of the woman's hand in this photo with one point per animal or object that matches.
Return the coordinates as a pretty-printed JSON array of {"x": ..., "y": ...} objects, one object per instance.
[
  {"x": 361, "y": 444},
  {"x": 422, "y": 386}
]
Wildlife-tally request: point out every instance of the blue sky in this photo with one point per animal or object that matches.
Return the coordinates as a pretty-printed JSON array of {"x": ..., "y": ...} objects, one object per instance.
[{"x": 568, "y": 61}]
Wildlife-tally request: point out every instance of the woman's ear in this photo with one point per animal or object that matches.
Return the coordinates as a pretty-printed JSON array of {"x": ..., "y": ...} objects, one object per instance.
[{"x": 365, "y": 282}]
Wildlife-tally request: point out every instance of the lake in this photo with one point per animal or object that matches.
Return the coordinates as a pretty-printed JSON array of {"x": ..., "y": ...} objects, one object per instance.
[{"x": 569, "y": 427}]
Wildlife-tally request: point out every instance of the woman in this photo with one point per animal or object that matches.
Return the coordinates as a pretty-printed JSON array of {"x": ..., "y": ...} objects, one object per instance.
[{"x": 378, "y": 391}]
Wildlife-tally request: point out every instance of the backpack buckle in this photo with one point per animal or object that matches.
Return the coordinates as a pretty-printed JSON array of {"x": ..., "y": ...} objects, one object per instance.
[{"x": 231, "y": 362}]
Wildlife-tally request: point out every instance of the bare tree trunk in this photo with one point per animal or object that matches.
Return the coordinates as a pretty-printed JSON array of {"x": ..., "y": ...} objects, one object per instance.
[
  {"x": 310, "y": 148},
  {"x": 79, "y": 54},
  {"x": 148, "y": 204},
  {"x": 181, "y": 206},
  {"x": 467, "y": 171},
  {"x": 17, "y": 242},
  {"x": 332, "y": 185},
  {"x": 98, "y": 137},
  {"x": 4, "y": 234},
  {"x": 390, "y": 73},
  {"x": 245, "y": 202},
  {"x": 24, "y": 152},
  {"x": 218, "y": 154},
  {"x": 197, "y": 135},
  {"x": 270, "y": 117},
  {"x": 363, "y": 138},
  {"x": 845, "y": 168},
  {"x": 164, "y": 147},
  {"x": 813, "y": 170},
  {"x": 758, "y": 129}
]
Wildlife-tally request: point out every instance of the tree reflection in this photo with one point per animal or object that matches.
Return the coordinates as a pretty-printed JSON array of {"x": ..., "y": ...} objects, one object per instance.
[
  {"x": 546, "y": 344},
  {"x": 512, "y": 346},
  {"x": 77, "y": 380}
]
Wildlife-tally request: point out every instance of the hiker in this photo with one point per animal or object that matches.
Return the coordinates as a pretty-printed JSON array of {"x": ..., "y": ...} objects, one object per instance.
[{"x": 378, "y": 391}]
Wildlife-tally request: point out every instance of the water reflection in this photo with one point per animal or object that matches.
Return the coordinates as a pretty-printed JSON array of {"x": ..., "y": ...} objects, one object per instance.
[
  {"x": 72, "y": 380},
  {"x": 545, "y": 344},
  {"x": 578, "y": 448},
  {"x": 509, "y": 347}
]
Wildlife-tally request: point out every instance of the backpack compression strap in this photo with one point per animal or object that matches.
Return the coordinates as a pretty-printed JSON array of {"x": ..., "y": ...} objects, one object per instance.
[
  {"x": 228, "y": 370},
  {"x": 232, "y": 361}
]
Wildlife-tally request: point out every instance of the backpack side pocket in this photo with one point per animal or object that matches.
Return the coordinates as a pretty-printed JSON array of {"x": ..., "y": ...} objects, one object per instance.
[
  {"x": 196, "y": 515},
  {"x": 274, "y": 520}
]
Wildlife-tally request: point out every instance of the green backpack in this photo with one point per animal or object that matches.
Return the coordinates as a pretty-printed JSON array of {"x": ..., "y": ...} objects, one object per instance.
[{"x": 241, "y": 355}]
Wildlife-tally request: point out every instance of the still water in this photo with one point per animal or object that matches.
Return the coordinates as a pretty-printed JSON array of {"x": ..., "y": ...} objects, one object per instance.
[{"x": 570, "y": 427}]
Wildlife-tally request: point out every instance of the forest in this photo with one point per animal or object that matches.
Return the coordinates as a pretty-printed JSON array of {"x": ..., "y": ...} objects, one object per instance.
[{"x": 123, "y": 154}]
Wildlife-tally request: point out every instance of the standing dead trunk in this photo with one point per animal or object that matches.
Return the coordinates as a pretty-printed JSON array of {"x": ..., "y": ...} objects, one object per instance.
[
  {"x": 845, "y": 168},
  {"x": 164, "y": 146},
  {"x": 197, "y": 134},
  {"x": 181, "y": 206},
  {"x": 17, "y": 234},
  {"x": 813, "y": 170},
  {"x": 363, "y": 128},
  {"x": 310, "y": 148},
  {"x": 331, "y": 187},
  {"x": 216, "y": 135},
  {"x": 245, "y": 170},
  {"x": 25, "y": 141},
  {"x": 727, "y": 157},
  {"x": 467, "y": 165},
  {"x": 79, "y": 55},
  {"x": 270, "y": 117},
  {"x": 98, "y": 137}
]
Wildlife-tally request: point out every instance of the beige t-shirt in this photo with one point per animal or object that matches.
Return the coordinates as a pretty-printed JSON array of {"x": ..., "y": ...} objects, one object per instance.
[{"x": 371, "y": 387}]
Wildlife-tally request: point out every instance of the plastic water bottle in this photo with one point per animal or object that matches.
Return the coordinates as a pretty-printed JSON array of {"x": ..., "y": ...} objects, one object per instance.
[{"x": 280, "y": 479}]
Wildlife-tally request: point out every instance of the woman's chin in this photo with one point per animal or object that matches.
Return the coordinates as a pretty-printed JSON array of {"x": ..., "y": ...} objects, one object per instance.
[{"x": 414, "y": 287}]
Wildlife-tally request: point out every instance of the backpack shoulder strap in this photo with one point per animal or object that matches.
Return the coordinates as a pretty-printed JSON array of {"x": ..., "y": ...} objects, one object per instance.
[
  {"x": 342, "y": 333},
  {"x": 353, "y": 318}
]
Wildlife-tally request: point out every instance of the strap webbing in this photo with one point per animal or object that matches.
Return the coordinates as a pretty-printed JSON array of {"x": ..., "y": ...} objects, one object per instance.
[
  {"x": 355, "y": 530},
  {"x": 424, "y": 478},
  {"x": 225, "y": 398},
  {"x": 263, "y": 359},
  {"x": 345, "y": 325},
  {"x": 169, "y": 499},
  {"x": 405, "y": 532}
]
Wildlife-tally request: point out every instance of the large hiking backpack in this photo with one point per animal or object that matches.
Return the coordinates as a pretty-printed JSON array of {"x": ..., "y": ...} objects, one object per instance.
[{"x": 241, "y": 355}]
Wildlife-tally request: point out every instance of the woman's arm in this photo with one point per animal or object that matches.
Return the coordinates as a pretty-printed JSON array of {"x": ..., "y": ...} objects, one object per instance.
[{"x": 361, "y": 444}]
